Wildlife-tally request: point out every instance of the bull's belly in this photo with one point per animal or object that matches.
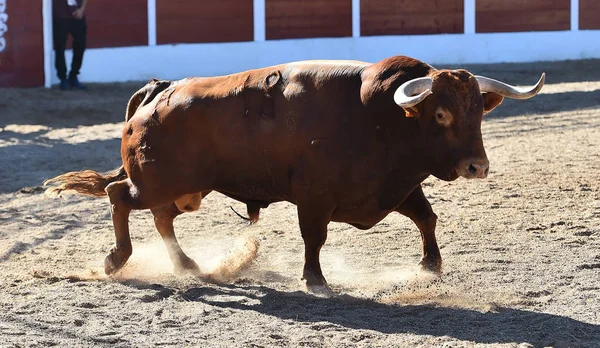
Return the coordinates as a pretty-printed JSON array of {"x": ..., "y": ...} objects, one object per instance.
[
  {"x": 362, "y": 217},
  {"x": 372, "y": 208},
  {"x": 254, "y": 188}
]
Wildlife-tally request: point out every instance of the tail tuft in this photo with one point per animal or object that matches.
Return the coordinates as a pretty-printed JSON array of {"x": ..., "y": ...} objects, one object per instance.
[{"x": 87, "y": 182}]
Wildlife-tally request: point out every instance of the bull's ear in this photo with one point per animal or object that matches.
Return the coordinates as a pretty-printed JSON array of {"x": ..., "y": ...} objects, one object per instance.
[
  {"x": 411, "y": 111},
  {"x": 491, "y": 100}
]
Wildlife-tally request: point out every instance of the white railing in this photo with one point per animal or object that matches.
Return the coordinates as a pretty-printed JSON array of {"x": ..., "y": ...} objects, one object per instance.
[
  {"x": 469, "y": 16},
  {"x": 259, "y": 20},
  {"x": 574, "y": 15},
  {"x": 3, "y": 26},
  {"x": 151, "y": 22}
]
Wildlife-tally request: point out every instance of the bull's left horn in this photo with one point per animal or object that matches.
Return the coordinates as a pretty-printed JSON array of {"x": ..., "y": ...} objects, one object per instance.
[
  {"x": 412, "y": 92},
  {"x": 487, "y": 84}
]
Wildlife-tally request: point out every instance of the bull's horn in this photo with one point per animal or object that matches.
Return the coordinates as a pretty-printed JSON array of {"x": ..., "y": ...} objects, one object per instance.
[
  {"x": 487, "y": 84},
  {"x": 412, "y": 92}
]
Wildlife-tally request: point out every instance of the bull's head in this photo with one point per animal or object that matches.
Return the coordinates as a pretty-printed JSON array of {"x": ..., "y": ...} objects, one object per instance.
[{"x": 449, "y": 106}]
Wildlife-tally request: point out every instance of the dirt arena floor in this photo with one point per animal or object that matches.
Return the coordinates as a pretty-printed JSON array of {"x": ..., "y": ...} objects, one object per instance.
[{"x": 521, "y": 249}]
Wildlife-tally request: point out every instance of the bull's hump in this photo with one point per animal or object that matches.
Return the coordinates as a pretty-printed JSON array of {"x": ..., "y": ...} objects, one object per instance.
[{"x": 324, "y": 67}]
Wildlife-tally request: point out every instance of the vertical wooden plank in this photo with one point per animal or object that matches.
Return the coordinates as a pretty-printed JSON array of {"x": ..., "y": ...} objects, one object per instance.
[
  {"x": 589, "y": 14},
  {"x": 289, "y": 19},
  {"x": 22, "y": 44},
  {"x": 117, "y": 23},
  {"x": 385, "y": 17},
  {"x": 194, "y": 21},
  {"x": 522, "y": 15}
]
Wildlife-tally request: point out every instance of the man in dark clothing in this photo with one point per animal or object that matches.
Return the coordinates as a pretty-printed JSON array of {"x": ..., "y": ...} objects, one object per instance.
[{"x": 68, "y": 17}]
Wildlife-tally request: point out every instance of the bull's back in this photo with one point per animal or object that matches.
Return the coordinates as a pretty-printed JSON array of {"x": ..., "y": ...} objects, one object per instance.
[{"x": 249, "y": 133}]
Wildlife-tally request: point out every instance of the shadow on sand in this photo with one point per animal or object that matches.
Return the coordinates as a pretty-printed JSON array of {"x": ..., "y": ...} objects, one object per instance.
[
  {"x": 503, "y": 325},
  {"x": 547, "y": 104}
]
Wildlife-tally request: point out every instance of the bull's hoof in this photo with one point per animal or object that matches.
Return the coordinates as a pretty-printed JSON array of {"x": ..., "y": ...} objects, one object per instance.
[
  {"x": 115, "y": 261},
  {"x": 322, "y": 290},
  {"x": 432, "y": 265},
  {"x": 186, "y": 266},
  {"x": 316, "y": 284}
]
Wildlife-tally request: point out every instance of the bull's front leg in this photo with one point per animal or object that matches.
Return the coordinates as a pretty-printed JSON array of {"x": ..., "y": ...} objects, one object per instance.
[
  {"x": 313, "y": 226},
  {"x": 418, "y": 209}
]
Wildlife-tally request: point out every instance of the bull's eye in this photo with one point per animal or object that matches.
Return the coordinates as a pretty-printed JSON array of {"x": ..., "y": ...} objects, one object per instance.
[{"x": 443, "y": 117}]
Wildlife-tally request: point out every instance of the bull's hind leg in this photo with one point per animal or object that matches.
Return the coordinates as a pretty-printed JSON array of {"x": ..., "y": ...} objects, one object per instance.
[
  {"x": 124, "y": 197},
  {"x": 121, "y": 202},
  {"x": 163, "y": 219}
]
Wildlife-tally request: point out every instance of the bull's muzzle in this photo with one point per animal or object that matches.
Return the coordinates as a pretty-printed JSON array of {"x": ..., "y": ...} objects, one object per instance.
[{"x": 472, "y": 168}]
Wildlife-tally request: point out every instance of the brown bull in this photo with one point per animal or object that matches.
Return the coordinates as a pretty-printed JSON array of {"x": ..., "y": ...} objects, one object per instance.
[{"x": 344, "y": 141}]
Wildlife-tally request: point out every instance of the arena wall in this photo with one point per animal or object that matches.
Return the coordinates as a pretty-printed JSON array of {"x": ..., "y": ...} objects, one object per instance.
[
  {"x": 170, "y": 39},
  {"x": 21, "y": 43}
]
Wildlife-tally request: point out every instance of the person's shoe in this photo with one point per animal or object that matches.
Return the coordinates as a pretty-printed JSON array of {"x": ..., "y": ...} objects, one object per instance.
[
  {"x": 64, "y": 85},
  {"x": 76, "y": 84}
]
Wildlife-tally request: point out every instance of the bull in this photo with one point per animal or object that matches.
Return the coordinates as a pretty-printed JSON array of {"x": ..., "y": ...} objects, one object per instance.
[{"x": 344, "y": 141}]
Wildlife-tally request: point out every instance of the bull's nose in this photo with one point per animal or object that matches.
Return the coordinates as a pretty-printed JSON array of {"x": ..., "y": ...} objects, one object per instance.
[
  {"x": 478, "y": 170},
  {"x": 474, "y": 168}
]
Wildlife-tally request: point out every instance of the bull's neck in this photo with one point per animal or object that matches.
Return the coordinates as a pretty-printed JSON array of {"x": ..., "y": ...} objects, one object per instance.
[{"x": 406, "y": 150}]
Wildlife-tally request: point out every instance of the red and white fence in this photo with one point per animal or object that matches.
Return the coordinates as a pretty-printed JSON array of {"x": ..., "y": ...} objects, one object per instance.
[{"x": 140, "y": 39}]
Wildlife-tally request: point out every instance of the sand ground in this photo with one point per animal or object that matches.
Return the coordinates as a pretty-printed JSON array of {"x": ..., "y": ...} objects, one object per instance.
[{"x": 521, "y": 249}]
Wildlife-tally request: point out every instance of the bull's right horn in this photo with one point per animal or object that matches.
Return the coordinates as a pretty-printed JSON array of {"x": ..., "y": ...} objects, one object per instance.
[
  {"x": 412, "y": 92},
  {"x": 487, "y": 84}
]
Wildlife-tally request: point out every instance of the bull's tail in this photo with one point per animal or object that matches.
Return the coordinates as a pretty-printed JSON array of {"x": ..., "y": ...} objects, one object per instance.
[{"x": 87, "y": 182}]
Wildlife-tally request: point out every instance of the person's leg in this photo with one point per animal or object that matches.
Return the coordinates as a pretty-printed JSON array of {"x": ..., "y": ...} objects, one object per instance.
[
  {"x": 60, "y": 33},
  {"x": 79, "y": 32}
]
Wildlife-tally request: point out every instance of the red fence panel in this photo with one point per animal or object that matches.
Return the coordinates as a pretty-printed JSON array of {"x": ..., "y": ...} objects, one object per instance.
[
  {"x": 195, "y": 21},
  {"x": 21, "y": 43},
  {"x": 290, "y": 19},
  {"x": 494, "y": 16},
  {"x": 589, "y": 14},
  {"x": 385, "y": 17},
  {"x": 117, "y": 23}
]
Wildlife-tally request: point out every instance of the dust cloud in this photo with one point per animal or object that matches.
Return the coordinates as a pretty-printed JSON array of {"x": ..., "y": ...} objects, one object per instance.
[{"x": 219, "y": 262}]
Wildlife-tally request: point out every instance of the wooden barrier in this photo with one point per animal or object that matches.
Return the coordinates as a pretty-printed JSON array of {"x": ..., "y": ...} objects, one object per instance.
[
  {"x": 289, "y": 19},
  {"x": 229, "y": 35},
  {"x": 21, "y": 43},
  {"x": 589, "y": 14},
  {"x": 494, "y": 16},
  {"x": 384, "y": 17},
  {"x": 194, "y": 21},
  {"x": 117, "y": 23}
]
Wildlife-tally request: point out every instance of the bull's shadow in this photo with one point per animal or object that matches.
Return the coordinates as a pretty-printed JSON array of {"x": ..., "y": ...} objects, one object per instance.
[
  {"x": 504, "y": 325},
  {"x": 53, "y": 108},
  {"x": 527, "y": 73},
  {"x": 546, "y": 104},
  {"x": 33, "y": 159}
]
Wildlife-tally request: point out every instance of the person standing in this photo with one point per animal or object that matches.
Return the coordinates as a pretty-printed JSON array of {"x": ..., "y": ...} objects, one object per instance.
[{"x": 68, "y": 17}]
